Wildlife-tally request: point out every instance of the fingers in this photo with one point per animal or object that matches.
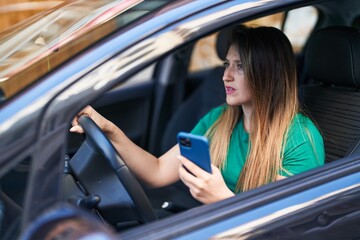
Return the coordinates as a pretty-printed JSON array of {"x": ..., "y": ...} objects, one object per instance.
[
  {"x": 197, "y": 179},
  {"x": 194, "y": 169},
  {"x": 75, "y": 122},
  {"x": 195, "y": 185},
  {"x": 77, "y": 129},
  {"x": 187, "y": 177}
]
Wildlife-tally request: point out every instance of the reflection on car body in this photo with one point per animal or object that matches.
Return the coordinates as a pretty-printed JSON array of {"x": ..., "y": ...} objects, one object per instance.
[{"x": 159, "y": 35}]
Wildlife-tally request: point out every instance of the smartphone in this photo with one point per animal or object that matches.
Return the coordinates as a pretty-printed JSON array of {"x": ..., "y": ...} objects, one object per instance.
[{"x": 196, "y": 149}]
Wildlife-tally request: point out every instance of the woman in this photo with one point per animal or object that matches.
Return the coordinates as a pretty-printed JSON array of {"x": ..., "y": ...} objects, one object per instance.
[{"x": 258, "y": 137}]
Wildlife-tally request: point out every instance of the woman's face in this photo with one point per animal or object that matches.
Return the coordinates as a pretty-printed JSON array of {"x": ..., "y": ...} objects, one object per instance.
[{"x": 237, "y": 91}]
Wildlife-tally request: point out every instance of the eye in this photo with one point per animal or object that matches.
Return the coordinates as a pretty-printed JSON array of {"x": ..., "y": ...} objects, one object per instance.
[
  {"x": 240, "y": 66},
  {"x": 226, "y": 64}
]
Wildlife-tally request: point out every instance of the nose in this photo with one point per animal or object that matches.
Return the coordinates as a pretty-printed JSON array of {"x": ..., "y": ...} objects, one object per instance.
[{"x": 228, "y": 75}]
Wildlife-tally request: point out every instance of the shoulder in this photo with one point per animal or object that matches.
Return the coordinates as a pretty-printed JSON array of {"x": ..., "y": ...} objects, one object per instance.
[
  {"x": 304, "y": 148},
  {"x": 209, "y": 119},
  {"x": 302, "y": 128},
  {"x": 215, "y": 113}
]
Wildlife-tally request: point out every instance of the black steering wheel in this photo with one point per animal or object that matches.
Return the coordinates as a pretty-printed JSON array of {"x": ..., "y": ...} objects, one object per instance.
[{"x": 102, "y": 173}]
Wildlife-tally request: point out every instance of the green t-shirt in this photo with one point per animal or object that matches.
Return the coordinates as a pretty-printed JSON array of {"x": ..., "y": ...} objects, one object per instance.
[{"x": 304, "y": 148}]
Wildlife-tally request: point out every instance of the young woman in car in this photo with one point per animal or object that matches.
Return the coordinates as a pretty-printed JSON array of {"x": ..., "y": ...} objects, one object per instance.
[{"x": 258, "y": 136}]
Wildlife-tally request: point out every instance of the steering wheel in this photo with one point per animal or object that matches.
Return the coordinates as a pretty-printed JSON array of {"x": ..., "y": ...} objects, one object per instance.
[{"x": 103, "y": 174}]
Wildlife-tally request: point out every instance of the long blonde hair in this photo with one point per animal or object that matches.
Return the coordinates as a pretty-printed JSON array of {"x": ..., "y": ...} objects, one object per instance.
[{"x": 270, "y": 72}]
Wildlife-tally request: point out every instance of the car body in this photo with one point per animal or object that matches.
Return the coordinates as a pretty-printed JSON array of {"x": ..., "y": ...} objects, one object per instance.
[{"x": 96, "y": 61}]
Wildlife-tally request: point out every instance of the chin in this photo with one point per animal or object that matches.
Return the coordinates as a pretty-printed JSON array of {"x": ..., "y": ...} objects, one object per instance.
[{"x": 233, "y": 102}]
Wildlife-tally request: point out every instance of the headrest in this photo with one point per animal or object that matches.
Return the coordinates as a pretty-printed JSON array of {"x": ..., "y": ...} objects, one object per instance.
[
  {"x": 333, "y": 56},
  {"x": 222, "y": 42}
]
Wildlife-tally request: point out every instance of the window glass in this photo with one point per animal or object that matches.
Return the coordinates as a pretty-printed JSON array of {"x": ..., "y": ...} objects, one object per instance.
[
  {"x": 143, "y": 76},
  {"x": 204, "y": 55},
  {"x": 298, "y": 26},
  {"x": 274, "y": 20},
  {"x": 43, "y": 42}
]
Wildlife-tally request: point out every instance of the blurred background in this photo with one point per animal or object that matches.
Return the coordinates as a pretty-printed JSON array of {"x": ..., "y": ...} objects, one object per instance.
[{"x": 14, "y": 11}]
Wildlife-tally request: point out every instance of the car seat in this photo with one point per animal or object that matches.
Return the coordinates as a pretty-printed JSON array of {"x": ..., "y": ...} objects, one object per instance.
[
  {"x": 332, "y": 60},
  {"x": 208, "y": 95}
]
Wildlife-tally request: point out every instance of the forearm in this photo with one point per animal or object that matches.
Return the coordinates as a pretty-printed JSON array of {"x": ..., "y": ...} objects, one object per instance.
[
  {"x": 144, "y": 165},
  {"x": 154, "y": 171}
]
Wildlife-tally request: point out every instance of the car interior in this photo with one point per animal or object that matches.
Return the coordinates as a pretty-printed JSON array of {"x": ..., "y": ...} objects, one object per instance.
[
  {"x": 172, "y": 98},
  {"x": 335, "y": 89},
  {"x": 332, "y": 96}
]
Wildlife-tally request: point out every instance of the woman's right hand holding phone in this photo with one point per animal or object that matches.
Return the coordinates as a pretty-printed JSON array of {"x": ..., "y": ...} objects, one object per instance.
[{"x": 204, "y": 187}]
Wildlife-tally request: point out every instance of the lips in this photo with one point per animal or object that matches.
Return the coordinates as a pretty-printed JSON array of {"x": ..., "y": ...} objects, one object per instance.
[{"x": 229, "y": 90}]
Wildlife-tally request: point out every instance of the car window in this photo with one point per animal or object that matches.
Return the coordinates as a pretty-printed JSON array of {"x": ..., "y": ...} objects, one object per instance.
[
  {"x": 298, "y": 31},
  {"x": 204, "y": 55},
  {"x": 274, "y": 20},
  {"x": 44, "y": 42},
  {"x": 297, "y": 26},
  {"x": 145, "y": 75},
  {"x": 15, "y": 11}
]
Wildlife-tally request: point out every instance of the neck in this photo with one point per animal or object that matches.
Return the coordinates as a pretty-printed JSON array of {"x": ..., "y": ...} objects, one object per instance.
[{"x": 247, "y": 112}]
